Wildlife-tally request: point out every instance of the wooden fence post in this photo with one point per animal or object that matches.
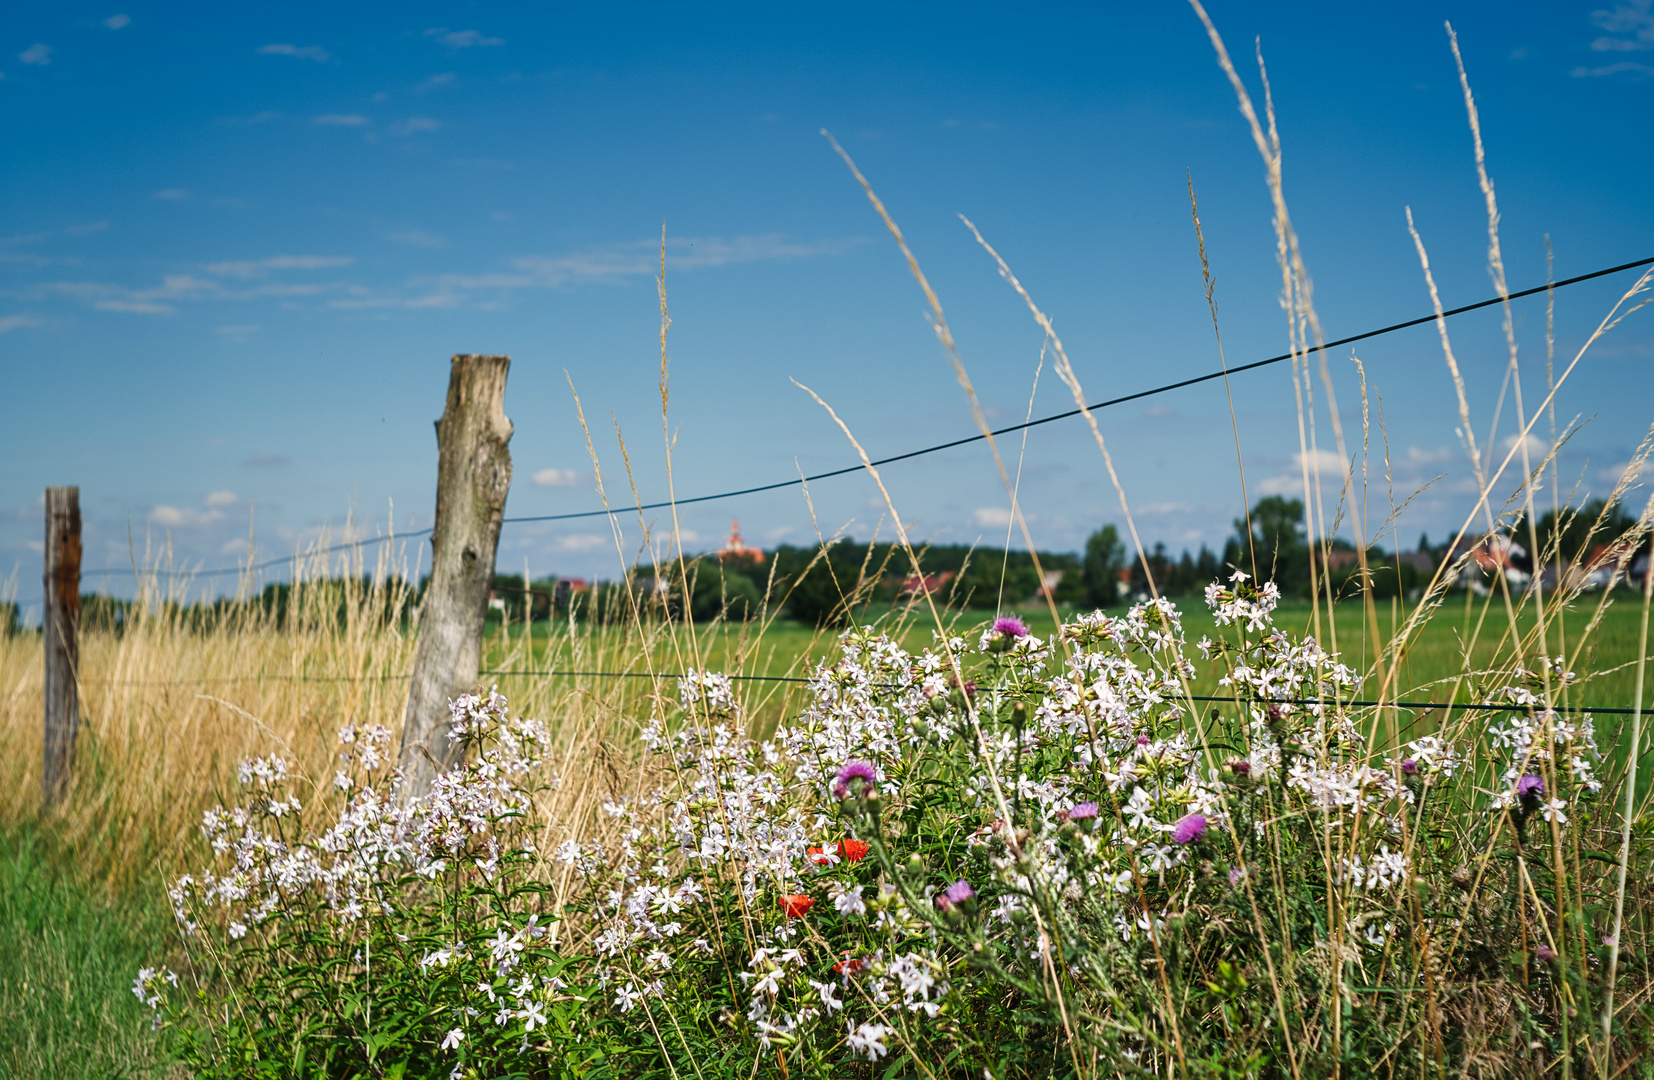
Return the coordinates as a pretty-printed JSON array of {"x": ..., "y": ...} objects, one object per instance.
[
  {"x": 472, "y": 478},
  {"x": 60, "y": 632}
]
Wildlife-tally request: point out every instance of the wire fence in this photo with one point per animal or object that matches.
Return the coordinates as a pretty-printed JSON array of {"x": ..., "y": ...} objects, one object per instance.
[
  {"x": 663, "y": 676},
  {"x": 1222, "y": 372}
]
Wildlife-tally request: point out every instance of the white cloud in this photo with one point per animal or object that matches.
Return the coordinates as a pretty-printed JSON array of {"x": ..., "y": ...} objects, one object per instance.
[
  {"x": 174, "y": 194},
  {"x": 174, "y": 517},
  {"x": 36, "y": 54},
  {"x": 1418, "y": 456},
  {"x": 1537, "y": 448},
  {"x": 1630, "y": 24},
  {"x": 446, "y": 78},
  {"x": 220, "y": 499},
  {"x": 1611, "y": 69},
  {"x": 134, "y": 307},
  {"x": 118, "y": 22},
  {"x": 1613, "y": 472},
  {"x": 461, "y": 39},
  {"x": 9, "y": 323},
  {"x": 992, "y": 517},
  {"x": 582, "y": 542},
  {"x": 340, "y": 120},
  {"x": 557, "y": 478},
  {"x": 642, "y": 259},
  {"x": 87, "y": 229},
  {"x": 417, "y": 238},
  {"x": 414, "y": 125},
  {"x": 299, "y": 52},
  {"x": 1326, "y": 463},
  {"x": 237, "y": 334},
  {"x": 247, "y": 268}
]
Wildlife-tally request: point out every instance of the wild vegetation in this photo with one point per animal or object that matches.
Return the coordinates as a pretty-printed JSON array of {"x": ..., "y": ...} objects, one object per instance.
[{"x": 887, "y": 834}]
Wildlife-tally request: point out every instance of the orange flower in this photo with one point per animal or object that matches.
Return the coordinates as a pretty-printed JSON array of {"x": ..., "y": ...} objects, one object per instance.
[
  {"x": 848, "y": 850},
  {"x": 796, "y": 906},
  {"x": 851, "y": 964}
]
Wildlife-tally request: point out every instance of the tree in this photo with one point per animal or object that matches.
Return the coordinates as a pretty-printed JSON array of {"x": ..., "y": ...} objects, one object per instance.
[
  {"x": 1105, "y": 557},
  {"x": 1277, "y": 542},
  {"x": 721, "y": 590}
]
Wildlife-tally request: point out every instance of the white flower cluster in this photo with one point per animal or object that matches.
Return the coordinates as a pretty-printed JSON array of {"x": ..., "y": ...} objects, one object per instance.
[{"x": 268, "y": 861}]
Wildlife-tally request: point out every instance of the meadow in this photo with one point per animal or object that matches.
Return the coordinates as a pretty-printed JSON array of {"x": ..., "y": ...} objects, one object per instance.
[
  {"x": 1198, "y": 840},
  {"x": 171, "y": 704}
]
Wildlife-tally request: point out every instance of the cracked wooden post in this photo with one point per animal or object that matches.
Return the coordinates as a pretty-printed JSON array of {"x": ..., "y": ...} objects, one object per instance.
[
  {"x": 472, "y": 478},
  {"x": 60, "y": 637}
]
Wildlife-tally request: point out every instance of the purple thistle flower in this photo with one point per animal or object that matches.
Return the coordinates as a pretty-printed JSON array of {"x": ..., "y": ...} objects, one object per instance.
[
  {"x": 1189, "y": 829},
  {"x": 1235, "y": 876},
  {"x": 1530, "y": 788},
  {"x": 954, "y": 895},
  {"x": 1010, "y": 626},
  {"x": 1409, "y": 767},
  {"x": 855, "y": 770},
  {"x": 1545, "y": 952},
  {"x": 1083, "y": 810}
]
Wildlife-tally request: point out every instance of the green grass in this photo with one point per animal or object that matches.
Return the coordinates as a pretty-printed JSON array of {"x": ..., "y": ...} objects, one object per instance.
[
  {"x": 1431, "y": 665},
  {"x": 68, "y": 955}
]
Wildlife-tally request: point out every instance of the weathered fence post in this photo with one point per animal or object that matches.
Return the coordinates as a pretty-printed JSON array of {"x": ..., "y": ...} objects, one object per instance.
[
  {"x": 472, "y": 478},
  {"x": 60, "y": 634}
]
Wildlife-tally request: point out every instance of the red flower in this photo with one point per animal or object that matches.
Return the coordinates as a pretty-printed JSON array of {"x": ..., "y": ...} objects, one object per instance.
[
  {"x": 796, "y": 906},
  {"x": 851, "y": 964},
  {"x": 849, "y": 850}
]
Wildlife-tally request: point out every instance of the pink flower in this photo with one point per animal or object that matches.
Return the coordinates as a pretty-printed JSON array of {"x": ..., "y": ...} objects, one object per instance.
[
  {"x": 1083, "y": 810},
  {"x": 954, "y": 895},
  {"x": 1010, "y": 626},
  {"x": 1189, "y": 829},
  {"x": 1530, "y": 788},
  {"x": 855, "y": 770}
]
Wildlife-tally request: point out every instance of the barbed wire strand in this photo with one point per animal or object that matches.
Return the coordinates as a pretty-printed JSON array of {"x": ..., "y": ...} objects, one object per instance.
[
  {"x": 662, "y": 676},
  {"x": 801, "y": 480}
]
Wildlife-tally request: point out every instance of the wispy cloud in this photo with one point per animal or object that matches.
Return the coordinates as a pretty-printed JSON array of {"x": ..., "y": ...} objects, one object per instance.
[
  {"x": 557, "y": 478},
  {"x": 237, "y": 334},
  {"x": 991, "y": 517},
  {"x": 174, "y": 194},
  {"x": 8, "y": 323},
  {"x": 247, "y": 268},
  {"x": 340, "y": 120},
  {"x": 37, "y": 54},
  {"x": 414, "y": 125},
  {"x": 298, "y": 52},
  {"x": 118, "y": 22},
  {"x": 1630, "y": 27},
  {"x": 1620, "y": 68},
  {"x": 612, "y": 264},
  {"x": 267, "y": 461},
  {"x": 461, "y": 39},
  {"x": 177, "y": 517},
  {"x": 134, "y": 307},
  {"x": 1328, "y": 465},
  {"x": 446, "y": 78},
  {"x": 417, "y": 238},
  {"x": 642, "y": 259}
]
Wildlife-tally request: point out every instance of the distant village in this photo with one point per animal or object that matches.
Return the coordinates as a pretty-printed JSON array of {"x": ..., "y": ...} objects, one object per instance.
[{"x": 1580, "y": 550}]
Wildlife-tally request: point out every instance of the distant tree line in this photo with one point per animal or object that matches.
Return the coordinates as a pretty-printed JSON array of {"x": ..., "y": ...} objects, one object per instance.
[{"x": 832, "y": 584}]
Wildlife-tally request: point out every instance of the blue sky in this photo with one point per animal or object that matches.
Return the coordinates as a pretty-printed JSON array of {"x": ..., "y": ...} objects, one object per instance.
[{"x": 239, "y": 245}]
